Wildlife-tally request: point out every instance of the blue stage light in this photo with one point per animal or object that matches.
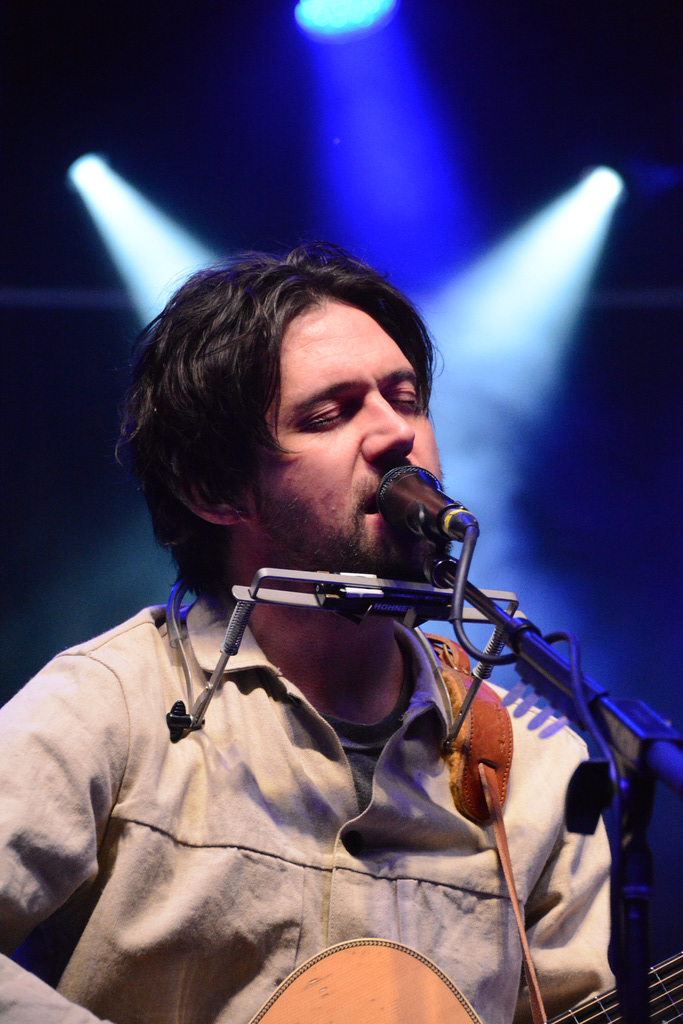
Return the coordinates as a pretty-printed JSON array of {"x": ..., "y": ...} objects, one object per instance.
[
  {"x": 336, "y": 20},
  {"x": 152, "y": 254},
  {"x": 394, "y": 179}
]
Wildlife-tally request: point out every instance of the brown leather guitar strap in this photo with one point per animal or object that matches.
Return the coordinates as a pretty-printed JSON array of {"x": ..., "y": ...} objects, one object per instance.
[
  {"x": 479, "y": 761},
  {"x": 490, "y": 786}
]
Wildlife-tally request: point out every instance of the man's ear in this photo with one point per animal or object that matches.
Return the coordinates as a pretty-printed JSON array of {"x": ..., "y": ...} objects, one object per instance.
[{"x": 221, "y": 515}]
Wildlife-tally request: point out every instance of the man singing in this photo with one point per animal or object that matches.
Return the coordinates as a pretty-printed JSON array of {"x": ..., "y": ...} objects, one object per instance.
[{"x": 146, "y": 880}]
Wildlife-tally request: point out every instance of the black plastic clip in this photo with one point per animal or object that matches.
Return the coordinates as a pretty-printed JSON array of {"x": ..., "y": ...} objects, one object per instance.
[{"x": 178, "y": 721}]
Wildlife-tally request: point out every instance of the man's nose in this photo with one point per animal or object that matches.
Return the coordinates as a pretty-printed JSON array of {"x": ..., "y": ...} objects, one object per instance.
[{"x": 387, "y": 431}]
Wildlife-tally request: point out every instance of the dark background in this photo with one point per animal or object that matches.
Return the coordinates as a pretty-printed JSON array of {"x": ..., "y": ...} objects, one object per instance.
[{"x": 215, "y": 112}]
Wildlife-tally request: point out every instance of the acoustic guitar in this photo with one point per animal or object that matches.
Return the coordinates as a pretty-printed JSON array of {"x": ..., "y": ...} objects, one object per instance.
[{"x": 375, "y": 981}]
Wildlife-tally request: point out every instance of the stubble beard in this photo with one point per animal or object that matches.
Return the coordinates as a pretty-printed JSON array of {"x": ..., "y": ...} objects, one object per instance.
[{"x": 302, "y": 540}]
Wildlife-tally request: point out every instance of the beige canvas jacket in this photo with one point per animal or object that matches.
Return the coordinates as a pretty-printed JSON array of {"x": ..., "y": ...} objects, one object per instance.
[{"x": 181, "y": 883}]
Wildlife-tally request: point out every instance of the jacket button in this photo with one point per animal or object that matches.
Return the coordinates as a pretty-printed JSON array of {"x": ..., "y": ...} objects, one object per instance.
[{"x": 353, "y": 843}]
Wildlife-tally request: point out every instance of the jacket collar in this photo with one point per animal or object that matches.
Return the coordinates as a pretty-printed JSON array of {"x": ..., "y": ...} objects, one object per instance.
[{"x": 207, "y": 622}]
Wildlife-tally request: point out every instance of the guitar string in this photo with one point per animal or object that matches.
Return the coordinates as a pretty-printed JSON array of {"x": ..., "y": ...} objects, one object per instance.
[
  {"x": 662, "y": 1002},
  {"x": 661, "y": 980},
  {"x": 612, "y": 1013},
  {"x": 606, "y": 1013},
  {"x": 666, "y": 998}
]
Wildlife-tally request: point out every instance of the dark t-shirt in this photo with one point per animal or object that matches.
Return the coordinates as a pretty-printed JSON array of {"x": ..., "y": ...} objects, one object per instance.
[{"x": 363, "y": 744}]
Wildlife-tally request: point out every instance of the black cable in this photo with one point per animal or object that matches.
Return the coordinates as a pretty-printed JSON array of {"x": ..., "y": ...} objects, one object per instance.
[
  {"x": 455, "y": 618},
  {"x": 579, "y": 691}
]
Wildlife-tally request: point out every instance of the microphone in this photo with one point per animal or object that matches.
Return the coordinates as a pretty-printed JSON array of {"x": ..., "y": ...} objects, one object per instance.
[{"x": 411, "y": 499}]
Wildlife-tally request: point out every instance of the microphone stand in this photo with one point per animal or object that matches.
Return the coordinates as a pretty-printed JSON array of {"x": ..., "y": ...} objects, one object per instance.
[{"x": 644, "y": 749}]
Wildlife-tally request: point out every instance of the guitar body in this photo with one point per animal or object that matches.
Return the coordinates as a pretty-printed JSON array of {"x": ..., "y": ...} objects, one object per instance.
[
  {"x": 367, "y": 981},
  {"x": 375, "y": 981}
]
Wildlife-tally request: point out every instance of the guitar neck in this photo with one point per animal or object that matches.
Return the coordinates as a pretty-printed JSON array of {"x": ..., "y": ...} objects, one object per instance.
[{"x": 665, "y": 986}]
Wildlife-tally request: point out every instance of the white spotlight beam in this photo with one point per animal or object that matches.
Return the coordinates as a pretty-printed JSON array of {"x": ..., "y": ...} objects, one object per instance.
[
  {"x": 152, "y": 254},
  {"x": 503, "y": 327},
  {"x": 505, "y": 322}
]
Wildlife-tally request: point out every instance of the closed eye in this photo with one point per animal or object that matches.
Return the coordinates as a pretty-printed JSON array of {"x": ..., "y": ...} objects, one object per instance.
[
  {"x": 325, "y": 419},
  {"x": 405, "y": 400},
  {"x": 321, "y": 423}
]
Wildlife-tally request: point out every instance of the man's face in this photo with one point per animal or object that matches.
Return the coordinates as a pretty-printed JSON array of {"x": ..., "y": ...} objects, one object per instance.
[{"x": 347, "y": 413}]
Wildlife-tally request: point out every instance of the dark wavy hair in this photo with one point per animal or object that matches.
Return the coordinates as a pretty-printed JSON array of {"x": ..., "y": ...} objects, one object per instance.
[{"x": 206, "y": 371}]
